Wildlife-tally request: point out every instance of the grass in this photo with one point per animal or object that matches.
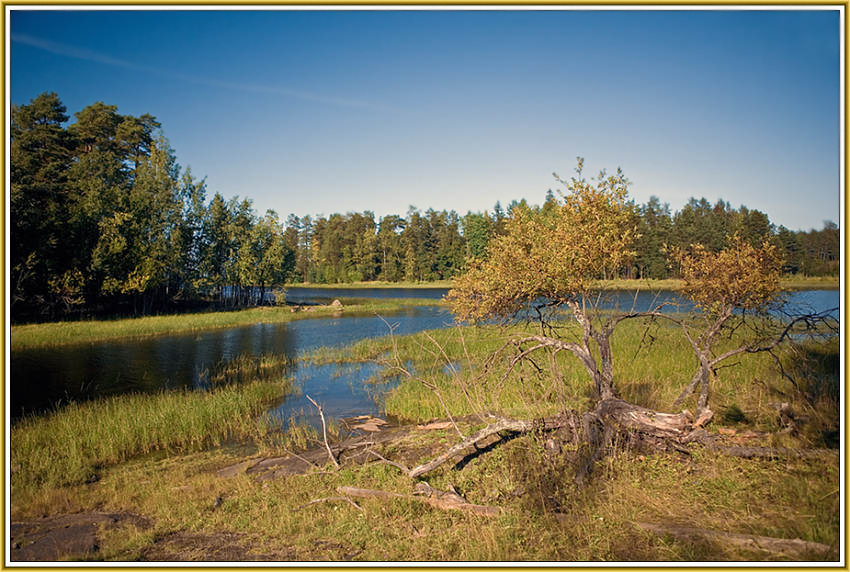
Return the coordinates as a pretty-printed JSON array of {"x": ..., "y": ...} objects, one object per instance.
[
  {"x": 72, "y": 444},
  {"x": 652, "y": 366},
  {"x": 548, "y": 517},
  {"x": 793, "y": 282},
  {"x": 783, "y": 499},
  {"x": 89, "y": 331}
]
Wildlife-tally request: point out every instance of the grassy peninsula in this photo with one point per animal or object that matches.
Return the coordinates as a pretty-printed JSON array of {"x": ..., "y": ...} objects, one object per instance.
[{"x": 88, "y": 331}]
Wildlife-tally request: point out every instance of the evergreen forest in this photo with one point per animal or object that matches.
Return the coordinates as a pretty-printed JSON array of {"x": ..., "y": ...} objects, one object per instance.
[{"x": 104, "y": 220}]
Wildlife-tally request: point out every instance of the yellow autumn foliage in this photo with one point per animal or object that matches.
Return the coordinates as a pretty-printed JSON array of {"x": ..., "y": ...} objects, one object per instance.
[
  {"x": 739, "y": 276},
  {"x": 558, "y": 254}
]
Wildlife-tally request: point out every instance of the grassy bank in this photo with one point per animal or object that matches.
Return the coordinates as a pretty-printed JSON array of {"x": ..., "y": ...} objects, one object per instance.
[
  {"x": 83, "y": 332},
  {"x": 70, "y": 445},
  {"x": 547, "y": 515},
  {"x": 652, "y": 366}
]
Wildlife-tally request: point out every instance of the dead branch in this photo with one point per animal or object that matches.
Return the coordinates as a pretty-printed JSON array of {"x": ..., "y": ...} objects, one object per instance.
[
  {"x": 438, "y": 499},
  {"x": 795, "y": 547},
  {"x": 383, "y": 459},
  {"x": 324, "y": 431},
  {"x": 410, "y": 375},
  {"x": 330, "y": 499}
]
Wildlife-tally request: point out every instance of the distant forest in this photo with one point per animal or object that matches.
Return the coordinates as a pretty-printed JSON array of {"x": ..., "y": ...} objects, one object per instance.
[{"x": 105, "y": 220}]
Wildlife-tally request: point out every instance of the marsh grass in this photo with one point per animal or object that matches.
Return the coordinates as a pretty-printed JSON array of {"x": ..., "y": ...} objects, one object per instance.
[
  {"x": 653, "y": 363},
  {"x": 72, "y": 444},
  {"x": 793, "y": 282},
  {"x": 247, "y": 367}
]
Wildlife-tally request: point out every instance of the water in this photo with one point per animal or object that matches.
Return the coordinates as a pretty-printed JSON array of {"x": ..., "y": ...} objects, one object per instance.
[{"x": 42, "y": 378}]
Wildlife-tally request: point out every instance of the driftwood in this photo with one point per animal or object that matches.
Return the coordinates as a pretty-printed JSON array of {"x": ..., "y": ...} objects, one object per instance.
[
  {"x": 492, "y": 429},
  {"x": 793, "y": 548},
  {"x": 444, "y": 500}
]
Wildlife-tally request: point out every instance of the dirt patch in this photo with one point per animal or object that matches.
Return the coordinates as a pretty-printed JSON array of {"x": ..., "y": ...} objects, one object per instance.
[
  {"x": 65, "y": 537},
  {"x": 215, "y": 547},
  {"x": 232, "y": 547}
]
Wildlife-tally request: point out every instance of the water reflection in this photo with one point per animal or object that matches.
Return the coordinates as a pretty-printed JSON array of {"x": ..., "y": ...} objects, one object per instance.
[
  {"x": 341, "y": 389},
  {"x": 43, "y": 378}
]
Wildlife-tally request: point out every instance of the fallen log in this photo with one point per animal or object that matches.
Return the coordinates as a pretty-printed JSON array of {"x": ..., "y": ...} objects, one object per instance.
[
  {"x": 492, "y": 429},
  {"x": 439, "y": 499},
  {"x": 769, "y": 452},
  {"x": 793, "y": 547}
]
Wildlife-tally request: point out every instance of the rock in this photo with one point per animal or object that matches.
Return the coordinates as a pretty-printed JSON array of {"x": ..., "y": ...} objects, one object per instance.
[
  {"x": 67, "y": 537},
  {"x": 336, "y": 304}
]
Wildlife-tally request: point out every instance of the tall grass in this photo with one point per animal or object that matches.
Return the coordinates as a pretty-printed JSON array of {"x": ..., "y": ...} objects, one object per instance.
[
  {"x": 652, "y": 365},
  {"x": 71, "y": 444}
]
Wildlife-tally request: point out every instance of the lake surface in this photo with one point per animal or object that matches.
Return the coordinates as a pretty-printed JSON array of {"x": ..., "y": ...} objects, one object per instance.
[{"x": 42, "y": 378}]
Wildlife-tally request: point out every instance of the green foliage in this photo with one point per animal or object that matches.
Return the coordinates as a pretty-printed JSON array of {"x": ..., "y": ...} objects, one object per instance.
[{"x": 103, "y": 215}]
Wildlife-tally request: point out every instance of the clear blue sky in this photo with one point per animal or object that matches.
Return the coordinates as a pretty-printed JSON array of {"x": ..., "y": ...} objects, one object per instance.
[{"x": 333, "y": 111}]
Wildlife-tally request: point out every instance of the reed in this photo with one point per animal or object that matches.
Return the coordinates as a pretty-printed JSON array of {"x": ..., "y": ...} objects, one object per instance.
[{"x": 72, "y": 444}]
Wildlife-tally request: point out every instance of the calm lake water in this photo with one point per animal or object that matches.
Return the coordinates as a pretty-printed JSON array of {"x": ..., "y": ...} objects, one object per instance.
[{"x": 43, "y": 378}]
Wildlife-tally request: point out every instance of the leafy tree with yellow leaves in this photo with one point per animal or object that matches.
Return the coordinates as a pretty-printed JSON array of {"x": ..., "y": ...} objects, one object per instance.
[{"x": 555, "y": 258}]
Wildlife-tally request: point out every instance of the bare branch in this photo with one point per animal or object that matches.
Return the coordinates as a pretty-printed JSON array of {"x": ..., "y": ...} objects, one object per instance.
[
  {"x": 383, "y": 459},
  {"x": 330, "y": 499},
  {"x": 324, "y": 431}
]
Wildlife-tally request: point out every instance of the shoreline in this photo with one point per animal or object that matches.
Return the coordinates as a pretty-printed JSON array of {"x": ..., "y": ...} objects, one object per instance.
[
  {"x": 662, "y": 284},
  {"x": 52, "y": 334}
]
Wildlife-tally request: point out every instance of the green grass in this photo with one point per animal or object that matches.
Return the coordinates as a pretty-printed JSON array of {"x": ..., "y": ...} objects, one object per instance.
[
  {"x": 653, "y": 364},
  {"x": 595, "y": 522},
  {"x": 785, "y": 283},
  {"x": 89, "y": 331},
  {"x": 73, "y": 443}
]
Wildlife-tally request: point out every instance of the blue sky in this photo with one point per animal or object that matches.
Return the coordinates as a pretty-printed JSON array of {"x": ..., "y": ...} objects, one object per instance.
[{"x": 316, "y": 112}]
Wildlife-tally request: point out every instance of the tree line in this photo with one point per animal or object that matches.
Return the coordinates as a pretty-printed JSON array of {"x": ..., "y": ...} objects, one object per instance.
[{"x": 103, "y": 218}]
